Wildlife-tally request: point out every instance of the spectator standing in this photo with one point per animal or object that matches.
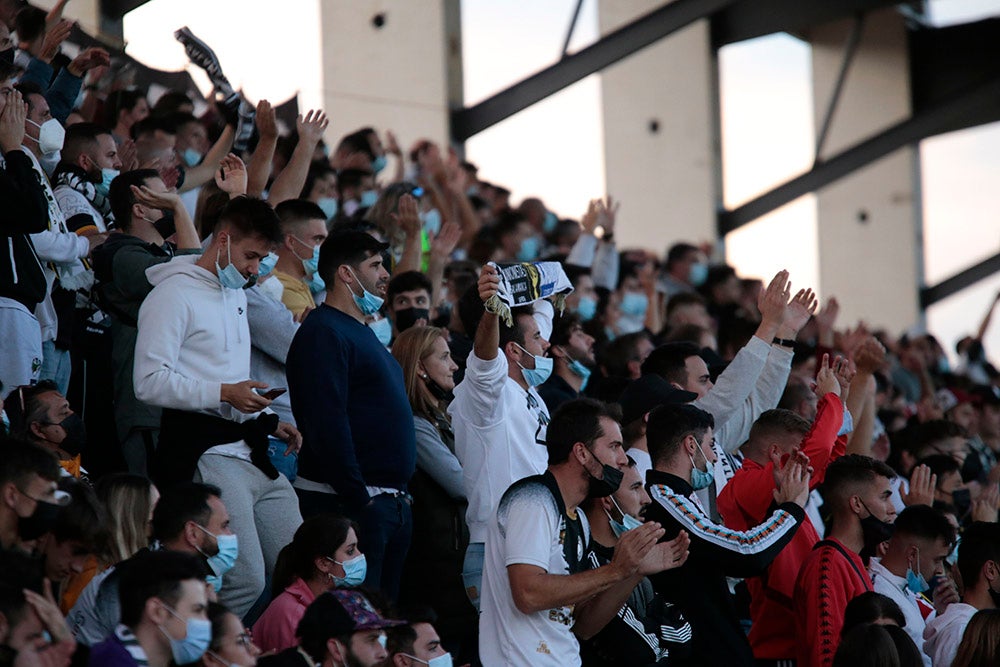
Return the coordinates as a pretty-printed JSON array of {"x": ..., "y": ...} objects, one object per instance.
[
  {"x": 572, "y": 353},
  {"x": 303, "y": 229},
  {"x": 192, "y": 358},
  {"x": 349, "y": 400}
]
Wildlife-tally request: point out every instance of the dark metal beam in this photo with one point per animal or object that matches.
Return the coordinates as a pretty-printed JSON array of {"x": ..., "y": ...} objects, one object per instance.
[
  {"x": 959, "y": 281},
  {"x": 756, "y": 18},
  {"x": 608, "y": 50},
  {"x": 119, "y": 8},
  {"x": 572, "y": 28},
  {"x": 853, "y": 40},
  {"x": 929, "y": 122}
]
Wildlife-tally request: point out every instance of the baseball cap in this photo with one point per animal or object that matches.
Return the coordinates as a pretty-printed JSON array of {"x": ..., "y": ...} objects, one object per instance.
[
  {"x": 648, "y": 392},
  {"x": 348, "y": 611}
]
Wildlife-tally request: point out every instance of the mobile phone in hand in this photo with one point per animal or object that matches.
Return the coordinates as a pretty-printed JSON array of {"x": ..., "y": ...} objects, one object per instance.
[{"x": 272, "y": 393}]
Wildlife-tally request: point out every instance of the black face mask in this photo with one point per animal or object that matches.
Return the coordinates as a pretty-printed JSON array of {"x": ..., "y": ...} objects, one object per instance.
[
  {"x": 7, "y": 55},
  {"x": 437, "y": 391},
  {"x": 407, "y": 317},
  {"x": 962, "y": 500},
  {"x": 611, "y": 479},
  {"x": 875, "y": 532},
  {"x": 165, "y": 226},
  {"x": 76, "y": 435},
  {"x": 32, "y": 527}
]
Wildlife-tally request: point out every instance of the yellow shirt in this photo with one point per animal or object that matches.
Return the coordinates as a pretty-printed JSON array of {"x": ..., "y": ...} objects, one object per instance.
[{"x": 297, "y": 297}]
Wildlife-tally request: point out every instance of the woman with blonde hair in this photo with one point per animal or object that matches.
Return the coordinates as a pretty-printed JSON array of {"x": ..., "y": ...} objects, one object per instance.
[
  {"x": 129, "y": 500},
  {"x": 440, "y": 534}
]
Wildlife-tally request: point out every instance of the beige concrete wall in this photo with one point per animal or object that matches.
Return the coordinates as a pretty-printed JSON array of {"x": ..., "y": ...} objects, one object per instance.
[
  {"x": 394, "y": 77},
  {"x": 873, "y": 266},
  {"x": 86, "y": 12},
  {"x": 665, "y": 180}
]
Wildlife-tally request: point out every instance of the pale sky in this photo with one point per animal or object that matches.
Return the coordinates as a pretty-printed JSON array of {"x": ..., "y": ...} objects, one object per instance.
[{"x": 959, "y": 172}]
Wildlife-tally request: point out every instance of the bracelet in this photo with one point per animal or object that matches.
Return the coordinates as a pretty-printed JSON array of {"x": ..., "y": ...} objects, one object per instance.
[{"x": 784, "y": 342}]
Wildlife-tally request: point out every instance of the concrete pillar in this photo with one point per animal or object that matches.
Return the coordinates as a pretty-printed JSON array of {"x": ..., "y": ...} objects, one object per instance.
[
  {"x": 870, "y": 249},
  {"x": 400, "y": 75},
  {"x": 659, "y": 123}
]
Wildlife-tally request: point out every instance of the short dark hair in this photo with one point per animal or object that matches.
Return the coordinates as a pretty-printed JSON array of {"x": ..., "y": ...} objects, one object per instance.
[
  {"x": 940, "y": 465},
  {"x": 250, "y": 216},
  {"x": 317, "y": 170},
  {"x": 83, "y": 520},
  {"x": 669, "y": 425},
  {"x": 180, "y": 503},
  {"x": 293, "y": 212},
  {"x": 171, "y": 101},
  {"x": 924, "y": 522},
  {"x": 35, "y": 409},
  {"x": 154, "y": 574},
  {"x": 796, "y": 391},
  {"x": 507, "y": 224},
  {"x": 318, "y": 536},
  {"x": 578, "y": 420},
  {"x": 217, "y": 617},
  {"x": 357, "y": 142},
  {"x": 401, "y": 638},
  {"x": 777, "y": 423},
  {"x": 152, "y": 124},
  {"x": 122, "y": 100},
  {"x": 19, "y": 460},
  {"x": 980, "y": 543},
  {"x": 677, "y": 252},
  {"x": 321, "y": 622},
  {"x": 346, "y": 247},
  {"x": 669, "y": 361},
  {"x": 851, "y": 472},
  {"x": 562, "y": 328},
  {"x": 175, "y": 120},
  {"x": 81, "y": 138},
  {"x": 407, "y": 281},
  {"x": 29, "y": 23},
  {"x": 515, "y": 332},
  {"x": 932, "y": 433},
  {"x": 28, "y": 88},
  {"x": 122, "y": 199},
  {"x": 870, "y": 607},
  {"x": 620, "y": 352},
  {"x": 351, "y": 178},
  {"x": 684, "y": 299},
  {"x": 18, "y": 571}
]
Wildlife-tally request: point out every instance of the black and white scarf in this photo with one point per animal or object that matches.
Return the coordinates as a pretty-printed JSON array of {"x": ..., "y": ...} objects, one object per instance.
[{"x": 76, "y": 178}]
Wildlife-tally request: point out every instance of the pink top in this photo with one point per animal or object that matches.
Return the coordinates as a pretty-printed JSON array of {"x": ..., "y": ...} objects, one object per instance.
[{"x": 275, "y": 629}]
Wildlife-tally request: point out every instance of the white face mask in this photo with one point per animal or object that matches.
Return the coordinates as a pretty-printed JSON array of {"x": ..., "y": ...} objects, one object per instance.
[{"x": 50, "y": 136}]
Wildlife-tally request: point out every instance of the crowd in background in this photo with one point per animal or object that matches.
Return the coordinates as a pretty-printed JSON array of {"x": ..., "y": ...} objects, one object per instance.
[{"x": 272, "y": 400}]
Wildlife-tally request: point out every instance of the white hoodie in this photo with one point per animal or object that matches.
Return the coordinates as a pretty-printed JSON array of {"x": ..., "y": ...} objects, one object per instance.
[{"x": 193, "y": 337}]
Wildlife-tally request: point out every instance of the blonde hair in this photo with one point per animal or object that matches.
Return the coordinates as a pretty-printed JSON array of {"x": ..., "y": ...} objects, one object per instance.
[
  {"x": 129, "y": 502},
  {"x": 411, "y": 347}
]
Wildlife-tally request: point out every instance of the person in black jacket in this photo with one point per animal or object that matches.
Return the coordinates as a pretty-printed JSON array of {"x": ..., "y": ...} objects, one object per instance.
[
  {"x": 24, "y": 212},
  {"x": 680, "y": 444}
]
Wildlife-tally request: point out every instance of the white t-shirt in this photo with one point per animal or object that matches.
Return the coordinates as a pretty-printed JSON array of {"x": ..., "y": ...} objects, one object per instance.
[
  {"x": 499, "y": 436},
  {"x": 894, "y": 588},
  {"x": 529, "y": 529}
]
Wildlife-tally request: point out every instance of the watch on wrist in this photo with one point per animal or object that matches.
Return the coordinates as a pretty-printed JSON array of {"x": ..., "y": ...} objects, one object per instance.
[{"x": 784, "y": 342}]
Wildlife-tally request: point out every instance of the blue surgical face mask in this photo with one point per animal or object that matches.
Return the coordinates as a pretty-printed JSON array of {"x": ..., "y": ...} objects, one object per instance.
[
  {"x": 952, "y": 558},
  {"x": 196, "y": 640},
  {"x": 627, "y": 523},
  {"x": 635, "y": 304},
  {"x": 540, "y": 373},
  {"x": 310, "y": 264},
  {"x": 698, "y": 274},
  {"x": 432, "y": 221},
  {"x": 367, "y": 303},
  {"x": 107, "y": 175},
  {"x": 316, "y": 284},
  {"x": 329, "y": 206},
  {"x": 586, "y": 308},
  {"x": 267, "y": 264},
  {"x": 379, "y": 163},
  {"x": 701, "y": 479},
  {"x": 382, "y": 328},
  {"x": 354, "y": 572},
  {"x": 440, "y": 661},
  {"x": 223, "y": 561},
  {"x": 191, "y": 157},
  {"x": 577, "y": 368},
  {"x": 916, "y": 581},
  {"x": 550, "y": 222},
  {"x": 368, "y": 198},
  {"x": 528, "y": 252},
  {"x": 230, "y": 277}
]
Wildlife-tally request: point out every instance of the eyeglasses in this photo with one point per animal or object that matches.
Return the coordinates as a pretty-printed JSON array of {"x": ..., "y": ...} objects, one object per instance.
[{"x": 244, "y": 639}]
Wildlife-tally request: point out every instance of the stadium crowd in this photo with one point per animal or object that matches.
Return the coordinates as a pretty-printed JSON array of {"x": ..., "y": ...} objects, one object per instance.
[{"x": 272, "y": 401}]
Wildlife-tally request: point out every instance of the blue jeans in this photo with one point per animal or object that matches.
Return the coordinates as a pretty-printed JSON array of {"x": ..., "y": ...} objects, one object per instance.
[
  {"x": 56, "y": 365},
  {"x": 386, "y": 524},
  {"x": 472, "y": 571}
]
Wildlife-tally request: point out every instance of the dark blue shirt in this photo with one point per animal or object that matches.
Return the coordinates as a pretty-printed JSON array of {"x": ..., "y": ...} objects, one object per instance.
[{"x": 351, "y": 407}]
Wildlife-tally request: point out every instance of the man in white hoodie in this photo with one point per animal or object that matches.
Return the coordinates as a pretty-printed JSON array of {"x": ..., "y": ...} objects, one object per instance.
[
  {"x": 192, "y": 358},
  {"x": 979, "y": 567}
]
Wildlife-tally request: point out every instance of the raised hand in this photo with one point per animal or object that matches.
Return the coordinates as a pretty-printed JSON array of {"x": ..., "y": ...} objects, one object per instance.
[
  {"x": 54, "y": 37},
  {"x": 826, "y": 379},
  {"x": 489, "y": 282},
  {"x": 391, "y": 144},
  {"x": 922, "y": 485},
  {"x": 407, "y": 215},
  {"x": 987, "y": 506},
  {"x": 666, "y": 555},
  {"x": 48, "y": 611},
  {"x": 607, "y": 210},
  {"x": 12, "y": 122},
  {"x": 793, "y": 480},
  {"x": 128, "y": 155},
  {"x": 266, "y": 120},
  {"x": 312, "y": 126},
  {"x": 773, "y": 301},
  {"x": 232, "y": 176},
  {"x": 589, "y": 219},
  {"x": 87, "y": 60},
  {"x": 869, "y": 355},
  {"x": 798, "y": 312},
  {"x": 446, "y": 240},
  {"x": 162, "y": 201},
  {"x": 844, "y": 371},
  {"x": 827, "y": 316},
  {"x": 633, "y": 547}
]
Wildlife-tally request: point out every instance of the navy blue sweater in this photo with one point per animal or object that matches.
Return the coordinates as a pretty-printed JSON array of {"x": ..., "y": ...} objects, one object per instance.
[{"x": 350, "y": 404}]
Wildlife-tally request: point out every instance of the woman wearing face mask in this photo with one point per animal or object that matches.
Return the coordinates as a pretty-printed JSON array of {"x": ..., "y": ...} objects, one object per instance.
[
  {"x": 322, "y": 556},
  {"x": 437, "y": 488},
  {"x": 232, "y": 645}
]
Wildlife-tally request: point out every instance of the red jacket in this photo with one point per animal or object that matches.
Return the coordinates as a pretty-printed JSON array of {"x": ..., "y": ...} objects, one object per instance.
[
  {"x": 745, "y": 502},
  {"x": 829, "y": 579}
]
